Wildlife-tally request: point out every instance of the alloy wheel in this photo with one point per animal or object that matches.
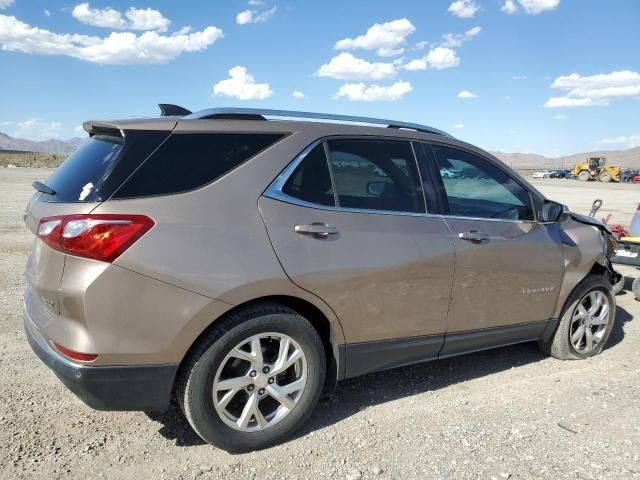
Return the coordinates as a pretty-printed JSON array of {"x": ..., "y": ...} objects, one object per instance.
[
  {"x": 589, "y": 322},
  {"x": 260, "y": 382}
]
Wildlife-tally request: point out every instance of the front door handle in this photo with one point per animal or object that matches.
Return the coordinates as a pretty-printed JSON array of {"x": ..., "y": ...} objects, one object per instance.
[
  {"x": 316, "y": 230},
  {"x": 473, "y": 236}
]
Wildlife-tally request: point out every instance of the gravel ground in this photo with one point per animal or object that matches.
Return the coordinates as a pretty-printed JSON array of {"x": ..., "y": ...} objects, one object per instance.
[{"x": 506, "y": 413}]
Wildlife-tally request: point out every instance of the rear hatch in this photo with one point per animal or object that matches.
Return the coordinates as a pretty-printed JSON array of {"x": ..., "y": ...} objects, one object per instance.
[{"x": 79, "y": 185}]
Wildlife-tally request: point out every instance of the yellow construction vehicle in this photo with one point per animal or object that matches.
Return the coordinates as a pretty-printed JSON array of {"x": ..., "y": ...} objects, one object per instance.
[{"x": 596, "y": 168}]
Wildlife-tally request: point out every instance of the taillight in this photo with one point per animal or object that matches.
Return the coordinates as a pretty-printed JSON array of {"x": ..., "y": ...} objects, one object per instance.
[
  {"x": 99, "y": 237},
  {"x": 83, "y": 357}
]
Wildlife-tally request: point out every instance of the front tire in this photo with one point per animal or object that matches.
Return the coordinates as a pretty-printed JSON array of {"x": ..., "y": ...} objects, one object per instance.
[
  {"x": 584, "y": 176},
  {"x": 605, "y": 177},
  {"x": 254, "y": 379},
  {"x": 586, "y": 321}
]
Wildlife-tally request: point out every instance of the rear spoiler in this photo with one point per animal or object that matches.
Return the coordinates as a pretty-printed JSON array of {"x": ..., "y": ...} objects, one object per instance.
[{"x": 119, "y": 128}]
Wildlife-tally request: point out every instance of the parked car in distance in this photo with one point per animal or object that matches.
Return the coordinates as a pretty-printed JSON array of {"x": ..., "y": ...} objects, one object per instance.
[
  {"x": 242, "y": 264},
  {"x": 542, "y": 174}
]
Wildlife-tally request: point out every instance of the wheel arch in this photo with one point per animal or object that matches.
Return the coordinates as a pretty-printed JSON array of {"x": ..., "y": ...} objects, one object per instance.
[{"x": 329, "y": 330}]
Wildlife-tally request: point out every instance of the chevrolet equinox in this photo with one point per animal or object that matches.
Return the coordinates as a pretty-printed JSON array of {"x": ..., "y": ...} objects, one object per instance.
[{"x": 242, "y": 261}]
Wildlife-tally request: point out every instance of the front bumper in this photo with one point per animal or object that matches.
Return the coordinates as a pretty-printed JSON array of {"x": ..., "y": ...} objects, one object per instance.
[{"x": 129, "y": 387}]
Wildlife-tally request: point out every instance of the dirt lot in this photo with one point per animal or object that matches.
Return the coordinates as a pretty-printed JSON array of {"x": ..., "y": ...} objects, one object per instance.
[{"x": 507, "y": 413}]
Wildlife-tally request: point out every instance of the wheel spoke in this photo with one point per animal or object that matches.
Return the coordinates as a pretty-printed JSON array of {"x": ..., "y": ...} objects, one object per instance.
[
  {"x": 577, "y": 335},
  {"x": 588, "y": 340},
  {"x": 248, "y": 411},
  {"x": 276, "y": 392},
  {"x": 285, "y": 360},
  {"x": 603, "y": 316},
  {"x": 596, "y": 302},
  {"x": 254, "y": 356},
  {"x": 292, "y": 387},
  {"x": 235, "y": 383},
  {"x": 582, "y": 311}
]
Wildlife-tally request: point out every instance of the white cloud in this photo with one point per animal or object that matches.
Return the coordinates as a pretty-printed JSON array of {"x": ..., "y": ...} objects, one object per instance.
[
  {"x": 509, "y": 7},
  {"x": 415, "y": 65},
  {"x": 5, "y": 4},
  {"x": 256, "y": 3},
  {"x": 458, "y": 126},
  {"x": 119, "y": 48},
  {"x": 299, "y": 95},
  {"x": 442, "y": 57},
  {"x": 532, "y": 7},
  {"x": 560, "y": 116},
  {"x": 387, "y": 38},
  {"x": 252, "y": 16},
  {"x": 242, "y": 85},
  {"x": 452, "y": 40},
  {"x": 136, "y": 18},
  {"x": 345, "y": 66},
  {"x": 595, "y": 89},
  {"x": 630, "y": 142},
  {"x": 421, "y": 45},
  {"x": 463, "y": 8},
  {"x": 466, "y": 94},
  {"x": 566, "y": 102},
  {"x": 519, "y": 77},
  {"x": 359, "y": 92},
  {"x": 47, "y": 12},
  {"x": 32, "y": 128}
]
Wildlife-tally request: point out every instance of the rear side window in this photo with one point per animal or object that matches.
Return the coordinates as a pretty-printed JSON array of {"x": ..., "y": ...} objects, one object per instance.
[
  {"x": 311, "y": 180},
  {"x": 97, "y": 168},
  {"x": 376, "y": 175},
  {"x": 187, "y": 161}
]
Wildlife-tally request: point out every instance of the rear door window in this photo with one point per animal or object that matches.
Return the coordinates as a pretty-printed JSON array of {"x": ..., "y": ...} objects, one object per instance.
[
  {"x": 376, "y": 175},
  {"x": 187, "y": 161},
  {"x": 311, "y": 180}
]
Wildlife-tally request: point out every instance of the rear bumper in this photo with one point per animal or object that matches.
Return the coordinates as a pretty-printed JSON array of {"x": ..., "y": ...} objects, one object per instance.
[{"x": 137, "y": 387}]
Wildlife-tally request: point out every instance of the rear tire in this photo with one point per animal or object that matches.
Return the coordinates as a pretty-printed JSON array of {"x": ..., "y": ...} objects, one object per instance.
[
  {"x": 572, "y": 340},
  {"x": 584, "y": 176},
  {"x": 605, "y": 177},
  {"x": 228, "y": 352}
]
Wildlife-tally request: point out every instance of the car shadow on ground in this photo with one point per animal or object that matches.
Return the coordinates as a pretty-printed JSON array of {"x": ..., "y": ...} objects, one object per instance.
[{"x": 356, "y": 394}]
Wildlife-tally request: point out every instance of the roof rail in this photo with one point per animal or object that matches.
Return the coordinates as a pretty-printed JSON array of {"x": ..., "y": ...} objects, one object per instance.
[{"x": 260, "y": 113}]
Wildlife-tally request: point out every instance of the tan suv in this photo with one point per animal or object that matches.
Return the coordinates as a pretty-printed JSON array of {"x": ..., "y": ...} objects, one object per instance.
[{"x": 242, "y": 264}]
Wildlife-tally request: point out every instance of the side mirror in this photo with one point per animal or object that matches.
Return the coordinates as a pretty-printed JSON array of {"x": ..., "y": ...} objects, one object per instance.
[
  {"x": 376, "y": 189},
  {"x": 554, "y": 211}
]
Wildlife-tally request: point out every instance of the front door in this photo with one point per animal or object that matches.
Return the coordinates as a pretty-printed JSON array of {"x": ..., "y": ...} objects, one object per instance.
[
  {"x": 508, "y": 267},
  {"x": 353, "y": 231}
]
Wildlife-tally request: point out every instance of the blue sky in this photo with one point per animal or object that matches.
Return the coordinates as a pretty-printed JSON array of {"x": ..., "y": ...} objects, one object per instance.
[{"x": 542, "y": 76}]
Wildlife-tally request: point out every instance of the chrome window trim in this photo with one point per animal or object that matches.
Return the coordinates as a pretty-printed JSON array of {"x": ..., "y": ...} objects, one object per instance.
[{"x": 274, "y": 191}]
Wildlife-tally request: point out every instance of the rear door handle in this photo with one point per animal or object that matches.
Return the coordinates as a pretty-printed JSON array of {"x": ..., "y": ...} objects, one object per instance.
[
  {"x": 473, "y": 236},
  {"x": 317, "y": 230}
]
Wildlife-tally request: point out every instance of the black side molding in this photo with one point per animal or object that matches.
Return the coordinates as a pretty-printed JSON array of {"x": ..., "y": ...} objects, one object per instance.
[
  {"x": 168, "y": 109},
  {"x": 458, "y": 343},
  {"x": 368, "y": 357}
]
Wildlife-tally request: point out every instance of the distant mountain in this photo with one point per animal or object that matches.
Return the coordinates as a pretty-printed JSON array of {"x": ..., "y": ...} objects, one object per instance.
[
  {"x": 53, "y": 146},
  {"x": 624, "y": 158}
]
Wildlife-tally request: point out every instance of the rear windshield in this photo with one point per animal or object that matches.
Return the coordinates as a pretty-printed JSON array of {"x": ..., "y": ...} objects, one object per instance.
[{"x": 95, "y": 170}]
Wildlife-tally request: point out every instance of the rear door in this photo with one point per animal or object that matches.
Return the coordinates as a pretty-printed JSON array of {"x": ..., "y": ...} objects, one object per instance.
[
  {"x": 508, "y": 266},
  {"x": 348, "y": 222}
]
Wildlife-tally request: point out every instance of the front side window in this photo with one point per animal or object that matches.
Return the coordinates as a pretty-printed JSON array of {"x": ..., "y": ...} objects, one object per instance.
[
  {"x": 376, "y": 175},
  {"x": 476, "y": 188}
]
